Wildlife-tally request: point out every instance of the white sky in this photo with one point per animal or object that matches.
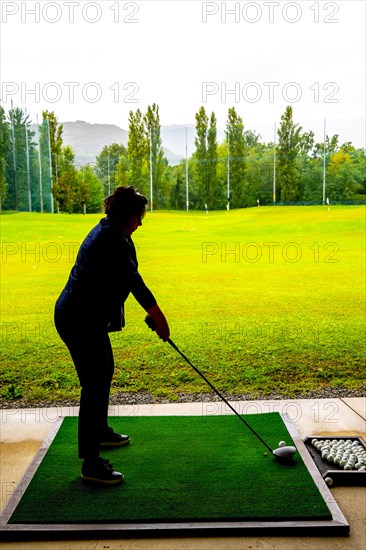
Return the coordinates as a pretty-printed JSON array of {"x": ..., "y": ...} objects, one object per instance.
[{"x": 310, "y": 54}]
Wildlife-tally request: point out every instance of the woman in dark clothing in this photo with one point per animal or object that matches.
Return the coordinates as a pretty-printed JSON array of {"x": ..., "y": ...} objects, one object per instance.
[{"x": 90, "y": 306}]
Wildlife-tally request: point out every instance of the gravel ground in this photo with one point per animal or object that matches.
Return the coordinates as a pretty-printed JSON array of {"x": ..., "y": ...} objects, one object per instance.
[{"x": 143, "y": 398}]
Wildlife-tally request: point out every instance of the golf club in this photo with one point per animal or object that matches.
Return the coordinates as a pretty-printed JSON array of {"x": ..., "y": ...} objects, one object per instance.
[{"x": 282, "y": 453}]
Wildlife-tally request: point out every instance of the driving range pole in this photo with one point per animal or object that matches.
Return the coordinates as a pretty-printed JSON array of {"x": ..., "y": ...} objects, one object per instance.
[
  {"x": 274, "y": 166},
  {"x": 187, "y": 194},
  {"x": 324, "y": 151}
]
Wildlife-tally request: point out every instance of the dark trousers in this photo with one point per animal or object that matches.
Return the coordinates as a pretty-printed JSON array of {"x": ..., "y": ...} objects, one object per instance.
[{"x": 92, "y": 355}]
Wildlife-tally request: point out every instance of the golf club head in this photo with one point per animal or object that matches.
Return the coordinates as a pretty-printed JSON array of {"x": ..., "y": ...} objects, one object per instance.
[
  {"x": 284, "y": 453},
  {"x": 150, "y": 322}
]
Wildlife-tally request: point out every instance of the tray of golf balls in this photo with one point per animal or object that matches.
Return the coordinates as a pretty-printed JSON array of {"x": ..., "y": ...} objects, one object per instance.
[{"x": 340, "y": 461}]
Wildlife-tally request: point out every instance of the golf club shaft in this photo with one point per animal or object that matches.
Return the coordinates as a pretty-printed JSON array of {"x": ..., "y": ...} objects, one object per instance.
[{"x": 219, "y": 394}]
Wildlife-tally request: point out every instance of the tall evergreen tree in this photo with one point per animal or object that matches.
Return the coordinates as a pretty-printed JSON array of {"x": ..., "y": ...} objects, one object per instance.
[
  {"x": 289, "y": 146},
  {"x": 49, "y": 184},
  {"x": 55, "y": 134},
  {"x": 122, "y": 171},
  {"x": 156, "y": 153},
  {"x": 137, "y": 150},
  {"x": 200, "y": 155},
  {"x": 236, "y": 150}
]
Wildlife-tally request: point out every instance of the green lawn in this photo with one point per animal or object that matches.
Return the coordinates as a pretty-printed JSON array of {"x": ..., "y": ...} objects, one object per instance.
[{"x": 263, "y": 299}]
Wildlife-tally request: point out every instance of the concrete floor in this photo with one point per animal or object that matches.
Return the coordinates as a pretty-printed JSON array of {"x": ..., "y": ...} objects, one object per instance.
[{"x": 23, "y": 430}]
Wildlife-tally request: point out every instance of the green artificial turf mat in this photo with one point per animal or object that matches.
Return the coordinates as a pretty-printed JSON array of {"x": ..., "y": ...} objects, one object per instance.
[{"x": 187, "y": 468}]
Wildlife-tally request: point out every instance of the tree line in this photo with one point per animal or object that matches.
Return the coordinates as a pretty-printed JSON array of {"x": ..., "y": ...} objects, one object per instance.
[{"x": 38, "y": 172}]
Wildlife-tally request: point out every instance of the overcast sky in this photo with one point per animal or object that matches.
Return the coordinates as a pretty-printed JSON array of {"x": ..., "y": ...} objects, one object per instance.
[{"x": 95, "y": 61}]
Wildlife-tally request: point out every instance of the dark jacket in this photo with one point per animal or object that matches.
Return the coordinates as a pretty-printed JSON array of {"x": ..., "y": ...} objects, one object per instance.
[{"x": 104, "y": 274}]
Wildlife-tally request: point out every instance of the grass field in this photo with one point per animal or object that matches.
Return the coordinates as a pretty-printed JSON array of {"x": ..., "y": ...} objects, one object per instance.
[{"x": 262, "y": 300}]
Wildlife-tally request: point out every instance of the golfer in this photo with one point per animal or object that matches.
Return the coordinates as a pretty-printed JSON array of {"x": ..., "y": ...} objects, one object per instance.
[{"x": 90, "y": 306}]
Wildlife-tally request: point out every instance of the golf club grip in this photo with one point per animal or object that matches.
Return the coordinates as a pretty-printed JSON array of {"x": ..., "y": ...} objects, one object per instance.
[
  {"x": 218, "y": 393},
  {"x": 150, "y": 322}
]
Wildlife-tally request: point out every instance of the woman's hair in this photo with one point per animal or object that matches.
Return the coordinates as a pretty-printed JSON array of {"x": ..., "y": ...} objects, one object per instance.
[{"x": 124, "y": 203}]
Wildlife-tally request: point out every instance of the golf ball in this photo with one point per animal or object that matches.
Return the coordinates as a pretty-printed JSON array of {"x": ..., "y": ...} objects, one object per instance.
[
  {"x": 328, "y": 481},
  {"x": 282, "y": 444}
]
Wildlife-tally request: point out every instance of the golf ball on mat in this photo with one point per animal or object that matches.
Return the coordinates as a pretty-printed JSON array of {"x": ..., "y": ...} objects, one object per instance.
[{"x": 282, "y": 444}]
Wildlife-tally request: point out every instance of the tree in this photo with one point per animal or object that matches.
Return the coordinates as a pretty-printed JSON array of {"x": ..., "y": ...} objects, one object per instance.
[
  {"x": 236, "y": 150},
  {"x": 67, "y": 187},
  {"x": 206, "y": 159},
  {"x": 289, "y": 146},
  {"x": 55, "y": 139},
  {"x": 49, "y": 188},
  {"x": 156, "y": 154},
  {"x": 122, "y": 171},
  {"x": 265, "y": 189},
  {"x": 259, "y": 174},
  {"x": 344, "y": 175},
  {"x": 177, "y": 194},
  {"x": 21, "y": 173},
  {"x": 331, "y": 146},
  {"x": 90, "y": 193},
  {"x": 312, "y": 179},
  {"x": 306, "y": 171},
  {"x": 107, "y": 166},
  {"x": 137, "y": 150},
  {"x": 251, "y": 139},
  {"x": 359, "y": 160},
  {"x": 200, "y": 155}
]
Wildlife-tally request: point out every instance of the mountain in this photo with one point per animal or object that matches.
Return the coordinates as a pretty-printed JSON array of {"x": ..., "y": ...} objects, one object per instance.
[{"x": 87, "y": 140}]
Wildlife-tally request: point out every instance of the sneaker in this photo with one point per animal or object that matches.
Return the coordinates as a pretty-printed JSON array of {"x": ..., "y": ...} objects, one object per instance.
[
  {"x": 100, "y": 472},
  {"x": 111, "y": 439}
]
